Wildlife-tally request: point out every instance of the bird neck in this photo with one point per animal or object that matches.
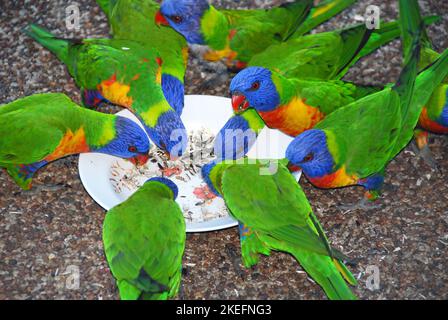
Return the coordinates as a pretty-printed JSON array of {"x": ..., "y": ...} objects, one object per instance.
[
  {"x": 286, "y": 88},
  {"x": 99, "y": 129},
  {"x": 215, "y": 29}
]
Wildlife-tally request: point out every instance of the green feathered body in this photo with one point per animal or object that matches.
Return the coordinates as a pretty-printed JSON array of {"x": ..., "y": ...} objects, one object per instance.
[
  {"x": 45, "y": 127},
  {"x": 365, "y": 135},
  {"x": 144, "y": 241},
  {"x": 238, "y": 35},
  {"x": 306, "y": 72},
  {"x": 434, "y": 116},
  {"x": 278, "y": 213},
  {"x": 134, "y": 20},
  {"x": 121, "y": 72}
]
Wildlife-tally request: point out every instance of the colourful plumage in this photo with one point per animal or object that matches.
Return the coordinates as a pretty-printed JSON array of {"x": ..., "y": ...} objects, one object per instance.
[
  {"x": 300, "y": 65},
  {"x": 134, "y": 20},
  {"x": 294, "y": 85},
  {"x": 43, "y": 128},
  {"x": 354, "y": 144},
  {"x": 434, "y": 116},
  {"x": 144, "y": 241},
  {"x": 124, "y": 73},
  {"x": 235, "y": 36},
  {"x": 280, "y": 218}
]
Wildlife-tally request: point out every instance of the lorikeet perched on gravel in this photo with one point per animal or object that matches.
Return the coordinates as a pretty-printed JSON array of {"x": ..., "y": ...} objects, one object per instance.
[
  {"x": 134, "y": 20},
  {"x": 124, "y": 73},
  {"x": 43, "y": 128},
  {"x": 235, "y": 36},
  {"x": 294, "y": 85},
  {"x": 280, "y": 218},
  {"x": 354, "y": 144},
  {"x": 434, "y": 116},
  {"x": 144, "y": 241}
]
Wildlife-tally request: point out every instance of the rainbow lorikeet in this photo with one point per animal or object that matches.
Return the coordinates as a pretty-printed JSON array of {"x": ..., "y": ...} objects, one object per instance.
[
  {"x": 134, "y": 20},
  {"x": 124, "y": 73},
  {"x": 354, "y": 144},
  {"x": 144, "y": 241},
  {"x": 42, "y": 128},
  {"x": 305, "y": 60},
  {"x": 294, "y": 85},
  {"x": 235, "y": 36},
  {"x": 434, "y": 116},
  {"x": 280, "y": 218}
]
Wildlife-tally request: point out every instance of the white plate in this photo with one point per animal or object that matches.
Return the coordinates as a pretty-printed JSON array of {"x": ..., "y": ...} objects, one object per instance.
[{"x": 199, "y": 112}]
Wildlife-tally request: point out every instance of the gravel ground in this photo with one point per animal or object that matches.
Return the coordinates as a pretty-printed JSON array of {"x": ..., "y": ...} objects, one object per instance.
[{"x": 57, "y": 225}]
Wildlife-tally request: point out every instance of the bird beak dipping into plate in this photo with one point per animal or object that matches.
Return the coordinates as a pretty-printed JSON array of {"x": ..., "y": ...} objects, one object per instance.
[
  {"x": 160, "y": 19},
  {"x": 239, "y": 102},
  {"x": 140, "y": 160}
]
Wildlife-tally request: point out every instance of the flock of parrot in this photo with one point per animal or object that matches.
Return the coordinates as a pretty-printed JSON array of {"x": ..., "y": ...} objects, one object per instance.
[{"x": 287, "y": 79}]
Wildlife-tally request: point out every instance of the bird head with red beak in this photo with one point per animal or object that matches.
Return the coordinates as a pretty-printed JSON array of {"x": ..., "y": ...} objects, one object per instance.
[
  {"x": 254, "y": 88},
  {"x": 140, "y": 159}
]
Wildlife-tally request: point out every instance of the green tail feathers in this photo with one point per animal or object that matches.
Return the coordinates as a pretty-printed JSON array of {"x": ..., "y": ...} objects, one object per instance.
[
  {"x": 321, "y": 13},
  {"x": 21, "y": 180},
  {"x": 301, "y": 10},
  {"x": 330, "y": 276},
  {"x": 60, "y": 47}
]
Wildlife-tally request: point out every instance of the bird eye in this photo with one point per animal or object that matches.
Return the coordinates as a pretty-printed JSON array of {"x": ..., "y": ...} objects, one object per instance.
[
  {"x": 309, "y": 157},
  {"x": 176, "y": 19},
  {"x": 132, "y": 149},
  {"x": 255, "y": 86}
]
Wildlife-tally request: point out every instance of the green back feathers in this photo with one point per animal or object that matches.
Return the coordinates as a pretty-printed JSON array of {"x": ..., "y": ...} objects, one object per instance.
[
  {"x": 215, "y": 28},
  {"x": 43, "y": 120},
  {"x": 144, "y": 241},
  {"x": 134, "y": 20}
]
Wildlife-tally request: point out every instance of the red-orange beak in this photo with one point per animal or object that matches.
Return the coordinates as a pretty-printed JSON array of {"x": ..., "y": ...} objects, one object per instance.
[
  {"x": 292, "y": 167},
  {"x": 140, "y": 159},
  {"x": 160, "y": 19},
  {"x": 239, "y": 103}
]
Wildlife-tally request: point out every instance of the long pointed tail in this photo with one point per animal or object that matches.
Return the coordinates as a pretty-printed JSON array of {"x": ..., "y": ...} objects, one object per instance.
[
  {"x": 57, "y": 46},
  {"x": 373, "y": 39},
  {"x": 300, "y": 10},
  {"x": 321, "y": 13},
  {"x": 329, "y": 274}
]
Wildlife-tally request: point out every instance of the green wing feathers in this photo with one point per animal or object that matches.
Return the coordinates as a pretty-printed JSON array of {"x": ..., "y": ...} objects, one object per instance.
[{"x": 276, "y": 209}]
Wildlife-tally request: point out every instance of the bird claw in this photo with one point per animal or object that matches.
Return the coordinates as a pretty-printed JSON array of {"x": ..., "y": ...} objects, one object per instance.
[
  {"x": 45, "y": 187},
  {"x": 362, "y": 204},
  {"x": 426, "y": 155}
]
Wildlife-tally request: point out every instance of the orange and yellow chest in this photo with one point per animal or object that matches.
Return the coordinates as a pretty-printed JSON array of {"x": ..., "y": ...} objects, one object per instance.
[
  {"x": 293, "y": 118},
  {"x": 71, "y": 143},
  {"x": 339, "y": 178},
  {"x": 430, "y": 125},
  {"x": 116, "y": 92}
]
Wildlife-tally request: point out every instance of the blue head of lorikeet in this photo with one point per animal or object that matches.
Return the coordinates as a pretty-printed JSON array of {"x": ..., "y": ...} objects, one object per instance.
[
  {"x": 170, "y": 184},
  {"x": 169, "y": 134},
  {"x": 184, "y": 16},
  {"x": 130, "y": 142},
  {"x": 254, "y": 87},
  {"x": 310, "y": 152}
]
